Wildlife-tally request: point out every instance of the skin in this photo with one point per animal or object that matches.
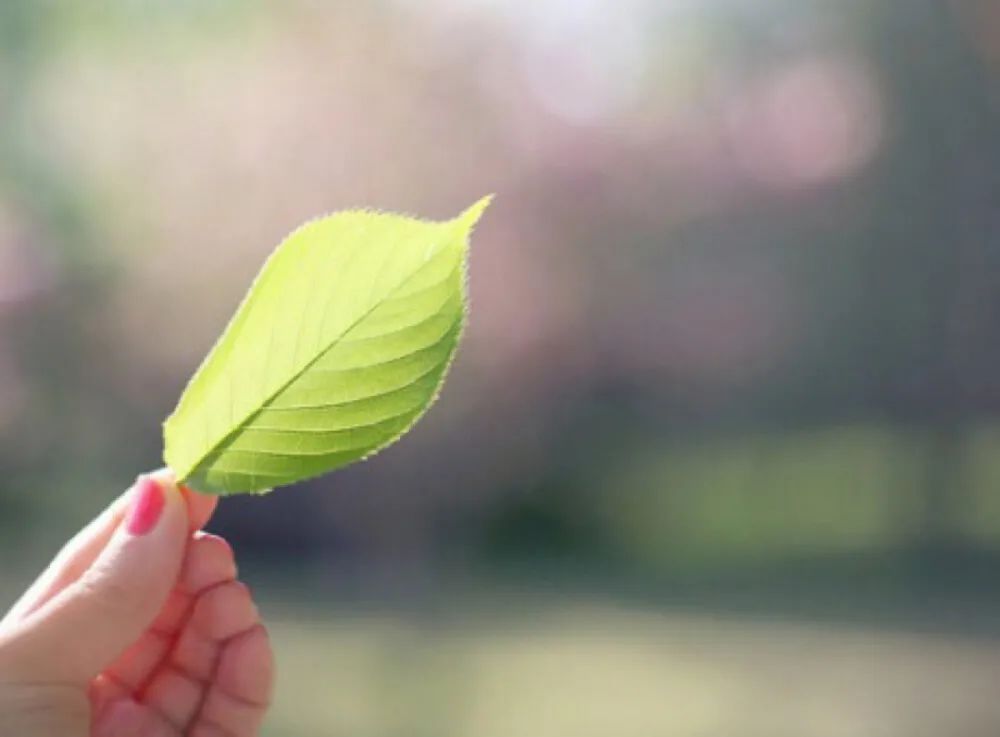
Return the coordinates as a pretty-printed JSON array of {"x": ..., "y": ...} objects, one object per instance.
[{"x": 150, "y": 636}]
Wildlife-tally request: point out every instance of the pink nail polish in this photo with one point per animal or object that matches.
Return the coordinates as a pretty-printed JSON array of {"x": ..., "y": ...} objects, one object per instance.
[{"x": 147, "y": 506}]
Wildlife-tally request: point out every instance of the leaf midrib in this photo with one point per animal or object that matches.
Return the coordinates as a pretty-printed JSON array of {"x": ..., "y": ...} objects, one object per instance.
[{"x": 238, "y": 427}]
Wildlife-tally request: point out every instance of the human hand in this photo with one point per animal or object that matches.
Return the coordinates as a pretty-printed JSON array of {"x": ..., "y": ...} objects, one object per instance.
[{"x": 139, "y": 628}]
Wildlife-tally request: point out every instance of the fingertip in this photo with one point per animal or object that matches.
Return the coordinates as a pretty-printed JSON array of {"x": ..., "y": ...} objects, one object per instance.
[
  {"x": 200, "y": 506},
  {"x": 166, "y": 480},
  {"x": 155, "y": 502},
  {"x": 209, "y": 562},
  {"x": 163, "y": 476}
]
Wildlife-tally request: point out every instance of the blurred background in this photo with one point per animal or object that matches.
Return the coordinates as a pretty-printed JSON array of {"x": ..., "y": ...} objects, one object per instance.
[{"x": 720, "y": 455}]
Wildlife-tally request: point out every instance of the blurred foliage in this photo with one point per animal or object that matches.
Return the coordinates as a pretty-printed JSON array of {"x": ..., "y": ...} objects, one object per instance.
[
  {"x": 735, "y": 316},
  {"x": 737, "y": 306}
]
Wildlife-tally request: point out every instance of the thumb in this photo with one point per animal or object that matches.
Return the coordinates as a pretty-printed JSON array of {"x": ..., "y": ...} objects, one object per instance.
[{"x": 88, "y": 624}]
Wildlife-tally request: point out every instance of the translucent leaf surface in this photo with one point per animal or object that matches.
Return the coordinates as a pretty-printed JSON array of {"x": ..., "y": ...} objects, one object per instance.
[{"x": 341, "y": 344}]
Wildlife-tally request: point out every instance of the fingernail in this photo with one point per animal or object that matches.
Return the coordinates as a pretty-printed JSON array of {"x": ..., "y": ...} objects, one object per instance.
[{"x": 147, "y": 506}]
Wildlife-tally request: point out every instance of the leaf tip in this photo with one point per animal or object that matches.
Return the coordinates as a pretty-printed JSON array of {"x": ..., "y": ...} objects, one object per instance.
[{"x": 472, "y": 214}]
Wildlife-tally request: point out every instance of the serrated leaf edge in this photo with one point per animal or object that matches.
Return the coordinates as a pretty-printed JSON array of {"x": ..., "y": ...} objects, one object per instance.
[{"x": 470, "y": 217}]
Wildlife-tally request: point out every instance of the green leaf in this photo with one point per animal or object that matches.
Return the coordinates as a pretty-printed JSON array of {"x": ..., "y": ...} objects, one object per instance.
[{"x": 340, "y": 346}]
